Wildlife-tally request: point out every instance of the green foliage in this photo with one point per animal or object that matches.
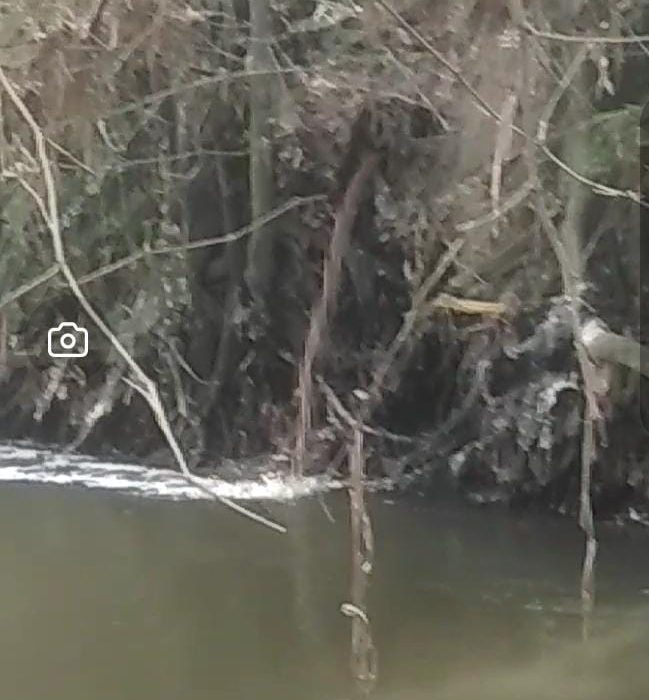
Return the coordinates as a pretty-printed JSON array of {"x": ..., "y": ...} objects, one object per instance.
[{"x": 613, "y": 139}]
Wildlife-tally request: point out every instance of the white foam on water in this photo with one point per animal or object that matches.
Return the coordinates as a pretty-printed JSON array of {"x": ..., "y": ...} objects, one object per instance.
[{"x": 25, "y": 464}]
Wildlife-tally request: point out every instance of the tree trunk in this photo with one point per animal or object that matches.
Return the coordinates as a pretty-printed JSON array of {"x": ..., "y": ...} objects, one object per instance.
[{"x": 261, "y": 263}]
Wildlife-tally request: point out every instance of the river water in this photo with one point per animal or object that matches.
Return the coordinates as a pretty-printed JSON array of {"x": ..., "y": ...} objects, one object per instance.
[{"x": 122, "y": 584}]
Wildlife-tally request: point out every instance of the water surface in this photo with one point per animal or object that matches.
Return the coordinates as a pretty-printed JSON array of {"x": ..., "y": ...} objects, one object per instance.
[{"x": 128, "y": 595}]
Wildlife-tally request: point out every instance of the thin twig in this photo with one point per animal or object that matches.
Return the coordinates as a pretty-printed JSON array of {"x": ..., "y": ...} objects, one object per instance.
[
  {"x": 501, "y": 153},
  {"x": 565, "y": 82},
  {"x": 516, "y": 198},
  {"x": 108, "y": 269},
  {"x": 71, "y": 156},
  {"x": 338, "y": 407},
  {"x": 440, "y": 57},
  {"x": 126, "y": 163},
  {"x": 409, "y": 324},
  {"x": 206, "y": 81},
  {"x": 15, "y": 294},
  {"x": 577, "y": 39}
]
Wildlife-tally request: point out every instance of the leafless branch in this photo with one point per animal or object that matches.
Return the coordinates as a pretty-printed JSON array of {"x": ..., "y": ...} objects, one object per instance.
[
  {"x": 345, "y": 217},
  {"x": 15, "y": 294},
  {"x": 577, "y": 39},
  {"x": 110, "y": 268},
  {"x": 206, "y": 81}
]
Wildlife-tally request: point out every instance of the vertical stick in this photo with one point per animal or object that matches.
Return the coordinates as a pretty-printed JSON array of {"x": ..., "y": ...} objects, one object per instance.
[
  {"x": 585, "y": 502},
  {"x": 4, "y": 333},
  {"x": 322, "y": 308},
  {"x": 363, "y": 658}
]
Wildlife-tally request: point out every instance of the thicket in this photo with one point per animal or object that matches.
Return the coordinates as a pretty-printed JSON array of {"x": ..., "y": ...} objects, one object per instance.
[{"x": 293, "y": 216}]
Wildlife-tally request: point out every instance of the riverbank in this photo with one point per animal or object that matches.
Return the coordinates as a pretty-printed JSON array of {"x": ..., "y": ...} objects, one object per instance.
[
  {"x": 424, "y": 222},
  {"x": 270, "y": 478}
]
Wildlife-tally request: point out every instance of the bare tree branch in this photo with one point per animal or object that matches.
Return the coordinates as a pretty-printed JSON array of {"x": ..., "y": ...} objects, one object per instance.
[
  {"x": 577, "y": 39},
  {"x": 108, "y": 269},
  {"x": 604, "y": 346},
  {"x": 15, "y": 294},
  {"x": 322, "y": 308}
]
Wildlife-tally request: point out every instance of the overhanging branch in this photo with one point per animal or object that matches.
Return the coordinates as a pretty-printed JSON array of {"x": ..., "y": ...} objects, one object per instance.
[{"x": 604, "y": 346}]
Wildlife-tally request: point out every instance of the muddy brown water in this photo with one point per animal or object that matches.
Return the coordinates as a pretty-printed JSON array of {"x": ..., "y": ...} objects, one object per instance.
[{"x": 113, "y": 595}]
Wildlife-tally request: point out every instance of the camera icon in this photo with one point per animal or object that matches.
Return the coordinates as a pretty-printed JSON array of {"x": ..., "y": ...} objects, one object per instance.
[{"x": 67, "y": 340}]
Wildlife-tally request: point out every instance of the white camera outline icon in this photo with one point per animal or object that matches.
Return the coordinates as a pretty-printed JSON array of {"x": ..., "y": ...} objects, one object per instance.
[{"x": 75, "y": 331}]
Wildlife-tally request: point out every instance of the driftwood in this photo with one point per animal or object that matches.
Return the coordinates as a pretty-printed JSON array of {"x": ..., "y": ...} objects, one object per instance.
[{"x": 604, "y": 346}]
